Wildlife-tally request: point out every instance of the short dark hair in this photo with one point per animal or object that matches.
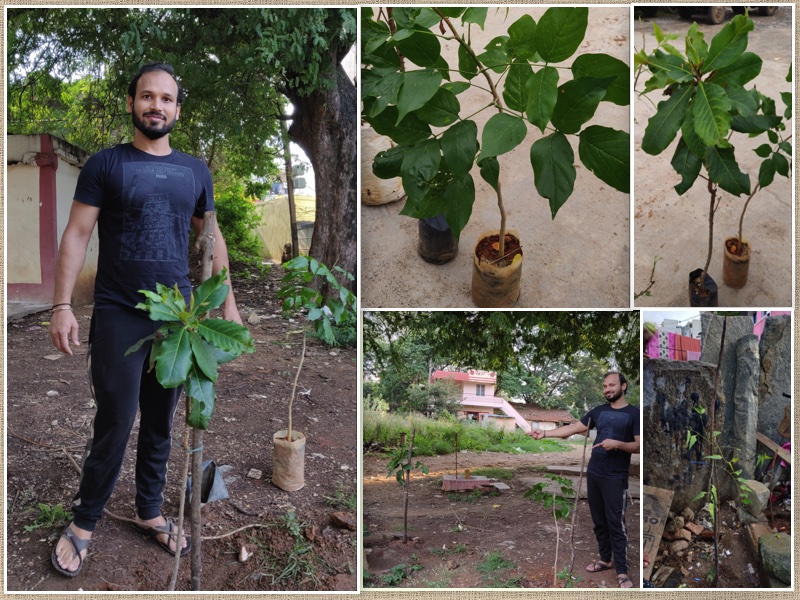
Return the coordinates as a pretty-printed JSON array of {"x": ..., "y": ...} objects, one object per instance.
[
  {"x": 150, "y": 68},
  {"x": 621, "y": 376}
]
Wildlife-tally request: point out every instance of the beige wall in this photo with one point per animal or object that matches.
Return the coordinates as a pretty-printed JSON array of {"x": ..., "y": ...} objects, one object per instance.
[
  {"x": 275, "y": 229},
  {"x": 471, "y": 388},
  {"x": 22, "y": 219}
]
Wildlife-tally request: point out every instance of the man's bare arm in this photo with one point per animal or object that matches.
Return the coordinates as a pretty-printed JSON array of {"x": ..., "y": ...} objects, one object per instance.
[
  {"x": 559, "y": 432},
  {"x": 230, "y": 311}
]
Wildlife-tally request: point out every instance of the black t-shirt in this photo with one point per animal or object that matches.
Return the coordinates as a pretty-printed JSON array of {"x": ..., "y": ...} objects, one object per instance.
[
  {"x": 617, "y": 424},
  {"x": 146, "y": 204}
]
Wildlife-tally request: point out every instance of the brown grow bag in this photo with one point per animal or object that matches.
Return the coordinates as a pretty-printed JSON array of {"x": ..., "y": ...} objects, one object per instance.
[
  {"x": 288, "y": 461},
  {"x": 493, "y": 286},
  {"x": 734, "y": 267}
]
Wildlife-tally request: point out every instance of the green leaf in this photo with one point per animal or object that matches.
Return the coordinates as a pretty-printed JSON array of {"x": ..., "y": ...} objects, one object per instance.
[
  {"x": 422, "y": 48},
  {"x": 495, "y": 59},
  {"x": 773, "y": 136},
  {"x": 174, "y": 360},
  {"x": 502, "y": 133},
  {"x": 139, "y": 344},
  {"x": 386, "y": 164},
  {"x": 456, "y": 87},
  {"x": 441, "y": 110},
  {"x": 687, "y": 165},
  {"x": 490, "y": 170},
  {"x": 781, "y": 164},
  {"x": 713, "y": 457},
  {"x": 409, "y": 131},
  {"x": 742, "y": 102},
  {"x": 754, "y": 123},
  {"x": 603, "y": 65},
  {"x": 577, "y": 102},
  {"x": 522, "y": 38},
  {"x": 786, "y": 147},
  {"x": 467, "y": 66},
  {"x": 211, "y": 293},
  {"x": 200, "y": 394},
  {"x": 764, "y": 150},
  {"x": 552, "y": 160},
  {"x": 712, "y": 119},
  {"x": 515, "y": 91},
  {"x": 559, "y": 33},
  {"x": 664, "y": 125},
  {"x": 542, "y": 96},
  {"x": 203, "y": 353},
  {"x": 418, "y": 87},
  {"x": 475, "y": 14},
  {"x": 696, "y": 46},
  {"x": 745, "y": 69},
  {"x": 723, "y": 170},
  {"x": 460, "y": 196},
  {"x": 383, "y": 88},
  {"x": 451, "y": 12},
  {"x": 226, "y": 335},
  {"x": 420, "y": 165},
  {"x": 766, "y": 173},
  {"x": 693, "y": 142},
  {"x": 606, "y": 153},
  {"x": 459, "y": 145},
  {"x": 728, "y": 44},
  {"x": 667, "y": 69},
  {"x": 700, "y": 495}
]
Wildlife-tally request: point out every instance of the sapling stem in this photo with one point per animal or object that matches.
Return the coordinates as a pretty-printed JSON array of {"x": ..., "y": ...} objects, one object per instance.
[
  {"x": 294, "y": 388},
  {"x": 712, "y": 191},
  {"x": 744, "y": 210}
]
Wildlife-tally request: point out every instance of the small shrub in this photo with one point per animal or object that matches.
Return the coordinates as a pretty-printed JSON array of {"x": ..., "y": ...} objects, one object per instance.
[
  {"x": 238, "y": 219},
  {"x": 49, "y": 516}
]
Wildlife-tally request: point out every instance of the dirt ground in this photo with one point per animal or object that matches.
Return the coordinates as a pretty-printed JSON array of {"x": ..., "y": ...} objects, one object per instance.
[
  {"x": 451, "y": 533},
  {"x": 675, "y": 228},
  {"x": 579, "y": 259},
  {"x": 49, "y": 410}
]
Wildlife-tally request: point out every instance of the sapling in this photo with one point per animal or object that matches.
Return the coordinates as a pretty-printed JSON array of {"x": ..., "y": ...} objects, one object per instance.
[{"x": 400, "y": 465}]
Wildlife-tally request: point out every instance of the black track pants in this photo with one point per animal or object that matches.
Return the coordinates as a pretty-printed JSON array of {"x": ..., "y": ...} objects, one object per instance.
[
  {"x": 607, "y": 505},
  {"x": 122, "y": 386}
]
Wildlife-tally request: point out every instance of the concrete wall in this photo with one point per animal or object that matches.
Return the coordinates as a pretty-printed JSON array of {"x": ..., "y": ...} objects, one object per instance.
[
  {"x": 275, "y": 229},
  {"x": 22, "y": 215}
]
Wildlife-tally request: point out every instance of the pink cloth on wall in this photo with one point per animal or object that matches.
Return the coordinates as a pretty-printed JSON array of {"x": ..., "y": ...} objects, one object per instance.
[
  {"x": 691, "y": 355},
  {"x": 652, "y": 346}
]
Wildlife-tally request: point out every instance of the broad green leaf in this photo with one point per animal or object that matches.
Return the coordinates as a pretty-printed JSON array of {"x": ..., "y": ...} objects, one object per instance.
[
  {"x": 422, "y": 48},
  {"x": 461, "y": 196},
  {"x": 441, "y": 110},
  {"x": 766, "y": 173},
  {"x": 456, "y": 87},
  {"x": 696, "y": 46},
  {"x": 658, "y": 33},
  {"x": 161, "y": 312},
  {"x": 373, "y": 35},
  {"x": 432, "y": 203},
  {"x": 687, "y": 165},
  {"x": 467, "y": 66},
  {"x": 226, "y": 335},
  {"x": 542, "y": 96},
  {"x": 418, "y": 87},
  {"x": 781, "y": 164},
  {"x": 495, "y": 59},
  {"x": 742, "y": 102},
  {"x": 409, "y": 131},
  {"x": 502, "y": 133},
  {"x": 475, "y": 14},
  {"x": 723, "y": 170},
  {"x": 383, "y": 88},
  {"x": 407, "y": 17},
  {"x": 664, "y": 125},
  {"x": 419, "y": 167},
  {"x": 690, "y": 138},
  {"x": 211, "y": 293},
  {"x": 139, "y": 344},
  {"x": 386, "y": 164},
  {"x": 764, "y": 150},
  {"x": 459, "y": 145},
  {"x": 224, "y": 356},
  {"x": 451, "y": 12},
  {"x": 515, "y": 92},
  {"x": 728, "y": 44},
  {"x": 746, "y": 68},
  {"x": 200, "y": 399},
  {"x": 559, "y": 32},
  {"x": 522, "y": 34},
  {"x": 490, "y": 170},
  {"x": 443, "y": 67},
  {"x": 552, "y": 160},
  {"x": 667, "y": 69},
  {"x": 174, "y": 360},
  {"x": 754, "y": 123},
  {"x": 712, "y": 119},
  {"x": 203, "y": 355},
  {"x": 603, "y": 65},
  {"x": 786, "y": 147},
  {"x": 577, "y": 102},
  {"x": 606, "y": 153},
  {"x": 773, "y": 136}
]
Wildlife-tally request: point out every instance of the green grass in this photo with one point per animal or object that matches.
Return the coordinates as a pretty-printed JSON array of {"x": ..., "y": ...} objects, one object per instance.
[
  {"x": 494, "y": 570},
  {"x": 448, "y": 551},
  {"x": 435, "y": 437},
  {"x": 49, "y": 516},
  {"x": 494, "y": 473},
  {"x": 342, "y": 500}
]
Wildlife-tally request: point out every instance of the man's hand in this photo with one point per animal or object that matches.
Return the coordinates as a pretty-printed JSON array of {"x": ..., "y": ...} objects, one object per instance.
[
  {"x": 536, "y": 434},
  {"x": 64, "y": 326},
  {"x": 230, "y": 312},
  {"x": 608, "y": 444}
]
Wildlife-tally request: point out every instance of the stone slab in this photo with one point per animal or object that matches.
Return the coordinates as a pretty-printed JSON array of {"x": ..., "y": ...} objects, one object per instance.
[{"x": 655, "y": 510}]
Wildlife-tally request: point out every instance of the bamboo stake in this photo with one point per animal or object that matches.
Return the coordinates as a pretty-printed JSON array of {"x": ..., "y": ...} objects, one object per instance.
[
  {"x": 408, "y": 483},
  {"x": 713, "y": 460},
  {"x": 577, "y": 497}
]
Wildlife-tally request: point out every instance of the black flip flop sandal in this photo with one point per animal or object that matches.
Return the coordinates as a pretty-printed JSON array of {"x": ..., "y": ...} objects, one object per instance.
[
  {"x": 170, "y": 529},
  {"x": 598, "y": 566},
  {"x": 78, "y": 544}
]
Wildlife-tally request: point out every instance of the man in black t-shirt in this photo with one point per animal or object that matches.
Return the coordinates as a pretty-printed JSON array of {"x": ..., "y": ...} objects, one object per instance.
[
  {"x": 617, "y": 425},
  {"x": 143, "y": 197}
]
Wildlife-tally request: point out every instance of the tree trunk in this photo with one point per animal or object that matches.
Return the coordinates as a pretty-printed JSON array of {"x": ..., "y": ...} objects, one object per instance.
[{"x": 325, "y": 127}]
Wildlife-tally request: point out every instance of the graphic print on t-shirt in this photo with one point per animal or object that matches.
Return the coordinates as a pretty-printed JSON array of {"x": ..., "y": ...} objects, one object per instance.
[{"x": 151, "y": 228}]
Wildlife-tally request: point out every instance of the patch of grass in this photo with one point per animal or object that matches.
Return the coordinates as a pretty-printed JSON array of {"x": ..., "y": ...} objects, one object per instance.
[
  {"x": 474, "y": 496},
  {"x": 399, "y": 573},
  {"x": 494, "y": 569},
  {"x": 449, "y": 551},
  {"x": 494, "y": 473},
  {"x": 342, "y": 500},
  {"x": 49, "y": 516},
  {"x": 299, "y": 565}
]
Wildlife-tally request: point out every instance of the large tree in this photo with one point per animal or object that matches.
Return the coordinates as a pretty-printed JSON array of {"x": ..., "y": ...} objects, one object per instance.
[{"x": 243, "y": 69}]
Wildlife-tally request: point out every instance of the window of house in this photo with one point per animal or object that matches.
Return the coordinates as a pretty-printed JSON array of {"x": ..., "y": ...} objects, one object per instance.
[{"x": 480, "y": 390}]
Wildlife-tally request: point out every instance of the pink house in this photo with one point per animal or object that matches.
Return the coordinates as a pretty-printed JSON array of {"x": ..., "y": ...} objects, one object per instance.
[{"x": 478, "y": 401}]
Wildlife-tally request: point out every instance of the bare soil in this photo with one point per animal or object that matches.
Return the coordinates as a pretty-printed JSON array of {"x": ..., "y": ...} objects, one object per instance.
[
  {"x": 488, "y": 250},
  {"x": 451, "y": 533},
  {"x": 49, "y": 412}
]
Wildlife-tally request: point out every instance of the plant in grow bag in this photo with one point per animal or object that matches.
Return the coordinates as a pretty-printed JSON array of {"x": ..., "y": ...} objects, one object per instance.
[
  {"x": 405, "y": 103},
  {"x": 707, "y": 103}
]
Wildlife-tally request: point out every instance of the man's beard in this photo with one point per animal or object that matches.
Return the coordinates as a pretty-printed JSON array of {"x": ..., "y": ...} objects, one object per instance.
[
  {"x": 152, "y": 133},
  {"x": 615, "y": 397}
]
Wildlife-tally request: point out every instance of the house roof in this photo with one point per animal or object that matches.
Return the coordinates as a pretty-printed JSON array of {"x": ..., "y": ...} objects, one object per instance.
[
  {"x": 547, "y": 415},
  {"x": 475, "y": 375},
  {"x": 450, "y": 375}
]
